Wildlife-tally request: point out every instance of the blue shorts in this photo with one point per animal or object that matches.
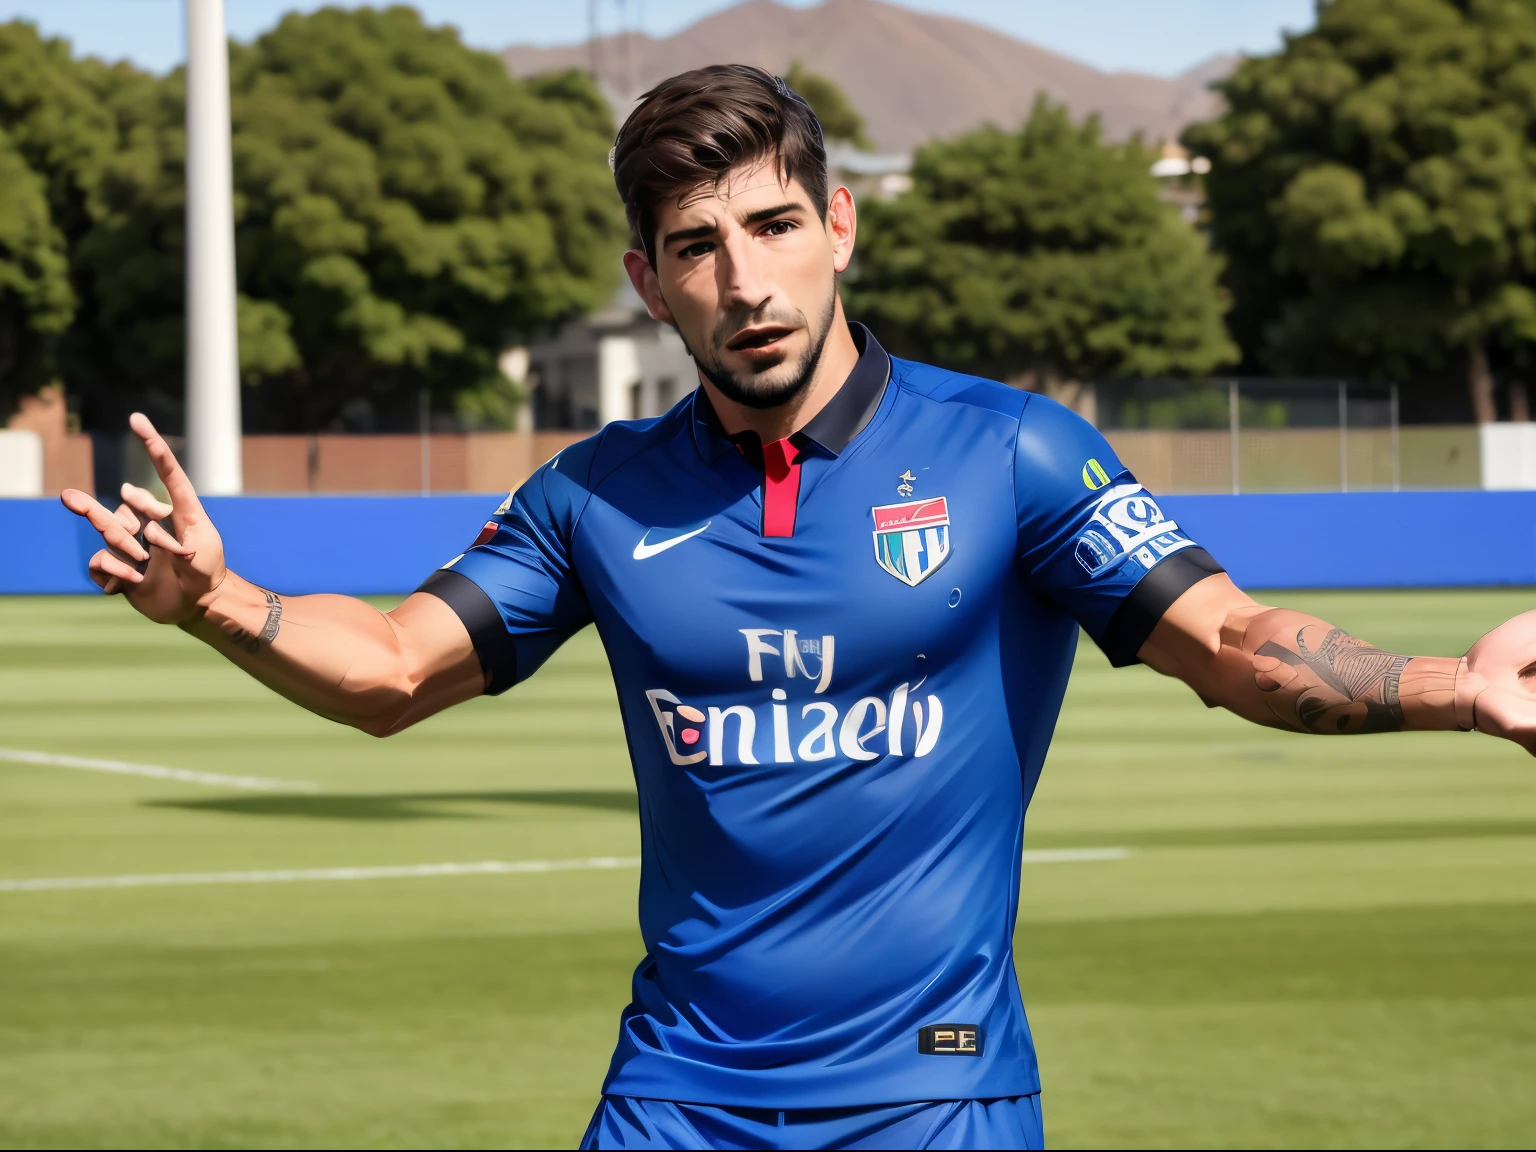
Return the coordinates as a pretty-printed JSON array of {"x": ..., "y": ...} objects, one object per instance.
[{"x": 628, "y": 1122}]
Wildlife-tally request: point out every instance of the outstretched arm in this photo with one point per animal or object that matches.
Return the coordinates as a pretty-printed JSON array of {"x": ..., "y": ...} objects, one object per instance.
[
  {"x": 335, "y": 655},
  {"x": 1287, "y": 669}
]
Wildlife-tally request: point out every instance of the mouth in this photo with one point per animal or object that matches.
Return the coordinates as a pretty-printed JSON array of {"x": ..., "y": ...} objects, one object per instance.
[{"x": 763, "y": 338}]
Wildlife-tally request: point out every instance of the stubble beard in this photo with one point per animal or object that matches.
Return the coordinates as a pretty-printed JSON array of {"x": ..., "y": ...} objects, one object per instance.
[{"x": 767, "y": 389}]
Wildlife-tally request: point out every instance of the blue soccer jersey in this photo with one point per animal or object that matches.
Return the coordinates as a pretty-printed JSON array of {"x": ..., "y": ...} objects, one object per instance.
[{"x": 839, "y": 660}]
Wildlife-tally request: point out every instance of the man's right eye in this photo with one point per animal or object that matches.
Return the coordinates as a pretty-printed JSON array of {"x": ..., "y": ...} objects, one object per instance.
[{"x": 694, "y": 251}]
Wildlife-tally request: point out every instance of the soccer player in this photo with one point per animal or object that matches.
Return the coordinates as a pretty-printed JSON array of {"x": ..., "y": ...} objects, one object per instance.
[{"x": 840, "y": 593}]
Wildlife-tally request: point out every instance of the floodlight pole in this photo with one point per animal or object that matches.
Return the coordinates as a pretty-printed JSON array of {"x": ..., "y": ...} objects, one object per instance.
[{"x": 213, "y": 372}]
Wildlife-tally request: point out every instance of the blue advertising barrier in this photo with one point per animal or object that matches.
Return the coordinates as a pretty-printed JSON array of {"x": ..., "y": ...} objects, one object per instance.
[
  {"x": 359, "y": 545},
  {"x": 389, "y": 544}
]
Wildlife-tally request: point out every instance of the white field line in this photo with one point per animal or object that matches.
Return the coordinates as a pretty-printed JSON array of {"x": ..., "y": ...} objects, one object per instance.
[
  {"x": 407, "y": 871},
  {"x": 299, "y": 875},
  {"x": 156, "y": 771}
]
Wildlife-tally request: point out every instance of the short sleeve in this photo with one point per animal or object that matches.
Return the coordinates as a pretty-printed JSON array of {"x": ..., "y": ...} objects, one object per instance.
[
  {"x": 1092, "y": 540},
  {"x": 515, "y": 588}
]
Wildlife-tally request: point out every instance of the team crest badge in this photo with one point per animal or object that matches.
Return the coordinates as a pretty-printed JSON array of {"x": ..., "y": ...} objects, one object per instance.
[{"x": 912, "y": 539}]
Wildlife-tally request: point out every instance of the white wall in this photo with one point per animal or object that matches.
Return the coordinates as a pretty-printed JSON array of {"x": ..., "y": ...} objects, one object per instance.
[
  {"x": 1508, "y": 454},
  {"x": 642, "y": 374},
  {"x": 21, "y": 463},
  {"x": 618, "y": 368},
  {"x": 668, "y": 371}
]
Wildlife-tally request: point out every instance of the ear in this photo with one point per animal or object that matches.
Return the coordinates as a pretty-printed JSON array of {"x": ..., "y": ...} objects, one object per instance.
[
  {"x": 643, "y": 277},
  {"x": 842, "y": 227}
]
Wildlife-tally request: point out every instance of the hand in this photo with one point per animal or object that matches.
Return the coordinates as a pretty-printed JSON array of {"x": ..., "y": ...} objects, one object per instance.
[
  {"x": 1496, "y": 689},
  {"x": 185, "y": 564}
]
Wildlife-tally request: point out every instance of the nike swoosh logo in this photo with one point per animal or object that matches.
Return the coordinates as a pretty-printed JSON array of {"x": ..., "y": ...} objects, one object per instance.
[{"x": 644, "y": 551}]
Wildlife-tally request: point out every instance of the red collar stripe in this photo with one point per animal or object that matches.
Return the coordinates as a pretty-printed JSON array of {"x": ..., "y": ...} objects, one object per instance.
[{"x": 781, "y": 488}]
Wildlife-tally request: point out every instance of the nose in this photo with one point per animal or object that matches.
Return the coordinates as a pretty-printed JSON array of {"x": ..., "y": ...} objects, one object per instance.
[{"x": 742, "y": 280}]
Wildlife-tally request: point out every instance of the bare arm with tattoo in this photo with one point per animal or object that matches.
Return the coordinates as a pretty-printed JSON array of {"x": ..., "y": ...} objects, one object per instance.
[
  {"x": 335, "y": 655},
  {"x": 1287, "y": 669}
]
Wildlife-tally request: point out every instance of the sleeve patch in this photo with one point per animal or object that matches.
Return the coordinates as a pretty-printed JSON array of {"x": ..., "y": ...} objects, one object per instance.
[{"x": 1127, "y": 529}]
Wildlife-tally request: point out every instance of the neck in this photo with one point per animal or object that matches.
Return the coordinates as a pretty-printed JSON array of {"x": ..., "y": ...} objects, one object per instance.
[{"x": 838, "y": 356}]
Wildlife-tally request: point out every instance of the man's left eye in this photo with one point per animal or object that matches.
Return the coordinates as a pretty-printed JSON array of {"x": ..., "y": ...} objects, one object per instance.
[{"x": 778, "y": 228}]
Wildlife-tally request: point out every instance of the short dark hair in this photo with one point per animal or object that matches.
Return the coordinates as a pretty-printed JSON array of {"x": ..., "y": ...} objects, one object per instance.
[{"x": 691, "y": 130}]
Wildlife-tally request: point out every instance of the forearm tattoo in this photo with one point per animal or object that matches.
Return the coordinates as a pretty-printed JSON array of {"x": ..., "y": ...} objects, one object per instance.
[
  {"x": 252, "y": 642},
  {"x": 1359, "y": 689}
]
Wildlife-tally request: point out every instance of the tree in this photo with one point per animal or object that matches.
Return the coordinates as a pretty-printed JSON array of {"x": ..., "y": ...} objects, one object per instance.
[
  {"x": 36, "y": 303},
  {"x": 1042, "y": 251},
  {"x": 54, "y": 137},
  {"x": 408, "y": 209},
  {"x": 1372, "y": 190},
  {"x": 404, "y": 210},
  {"x": 840, "y": 120},
  {"x": 127, "y": 258}
]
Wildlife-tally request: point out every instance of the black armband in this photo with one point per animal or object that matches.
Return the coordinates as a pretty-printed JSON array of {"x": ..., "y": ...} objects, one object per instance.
[
  {"x": 1139, "y": 612},
  {"x": 494, "y": 646}
]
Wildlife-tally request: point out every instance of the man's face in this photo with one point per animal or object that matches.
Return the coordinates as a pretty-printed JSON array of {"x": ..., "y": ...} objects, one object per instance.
[{"x": 746, "y": 274}]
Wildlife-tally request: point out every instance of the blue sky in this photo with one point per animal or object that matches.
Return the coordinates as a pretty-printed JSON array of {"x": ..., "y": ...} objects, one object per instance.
[{"x": 1162, "y": 37}]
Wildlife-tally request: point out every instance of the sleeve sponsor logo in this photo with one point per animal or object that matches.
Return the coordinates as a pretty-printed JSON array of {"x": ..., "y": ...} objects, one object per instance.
[
  {"x": 1094, "y": 476},
  {"x": 1127, "y": 527}
]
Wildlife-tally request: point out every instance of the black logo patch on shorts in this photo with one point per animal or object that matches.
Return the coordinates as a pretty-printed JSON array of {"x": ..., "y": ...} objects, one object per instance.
[{"x": 949, "y": 1040}]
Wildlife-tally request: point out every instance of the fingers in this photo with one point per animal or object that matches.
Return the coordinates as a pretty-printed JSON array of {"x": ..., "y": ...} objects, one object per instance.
[
  {"x": 143, "y": 502},
  {"x": 177, "y": 486},
  {"x": 128, "y": 518},
  {"x": 160, "y": 538},
  {"x": 111, "y": 528},
  {"x": 108, "y": 565},
  {"x": 142, "y": 512}
]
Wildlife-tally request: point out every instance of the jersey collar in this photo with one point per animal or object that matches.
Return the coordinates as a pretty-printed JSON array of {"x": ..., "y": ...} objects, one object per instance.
[{"x": 831, "y": 430}]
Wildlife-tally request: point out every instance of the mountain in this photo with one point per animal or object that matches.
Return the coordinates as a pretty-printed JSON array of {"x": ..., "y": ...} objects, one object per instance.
[{"x": 913, "y": 75}]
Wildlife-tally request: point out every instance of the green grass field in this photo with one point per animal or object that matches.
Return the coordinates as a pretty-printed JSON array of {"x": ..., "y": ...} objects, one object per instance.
[{"x": 1313, "y": 941}]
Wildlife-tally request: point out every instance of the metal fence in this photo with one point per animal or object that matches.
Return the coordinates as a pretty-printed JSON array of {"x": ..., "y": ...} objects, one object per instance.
[{"x": 1271, "y": 435}]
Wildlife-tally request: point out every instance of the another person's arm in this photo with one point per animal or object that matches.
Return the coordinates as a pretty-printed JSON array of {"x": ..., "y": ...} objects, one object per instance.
[
  {"x": 1287, "y": 669},
  {"x": 335, "y": 655}
]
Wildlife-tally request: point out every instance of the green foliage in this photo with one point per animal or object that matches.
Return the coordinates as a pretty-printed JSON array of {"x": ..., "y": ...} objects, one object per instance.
[
  {"x": 54, "y": 138},
  {"x": 36, "y": 303},
  {"x": 404, "y": 209},
  {"x": 840, "y": 120},
  {"x": 1372, "y": 187},
  {"x": 408, "y": 207},
  {"x": 125, "y": 349},
  {"x": 96, "y": 138},
  {"x": 55, "y": 120},
  {"x": 493, "y": 405},
  {"x": 1039, "y": 251}
]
